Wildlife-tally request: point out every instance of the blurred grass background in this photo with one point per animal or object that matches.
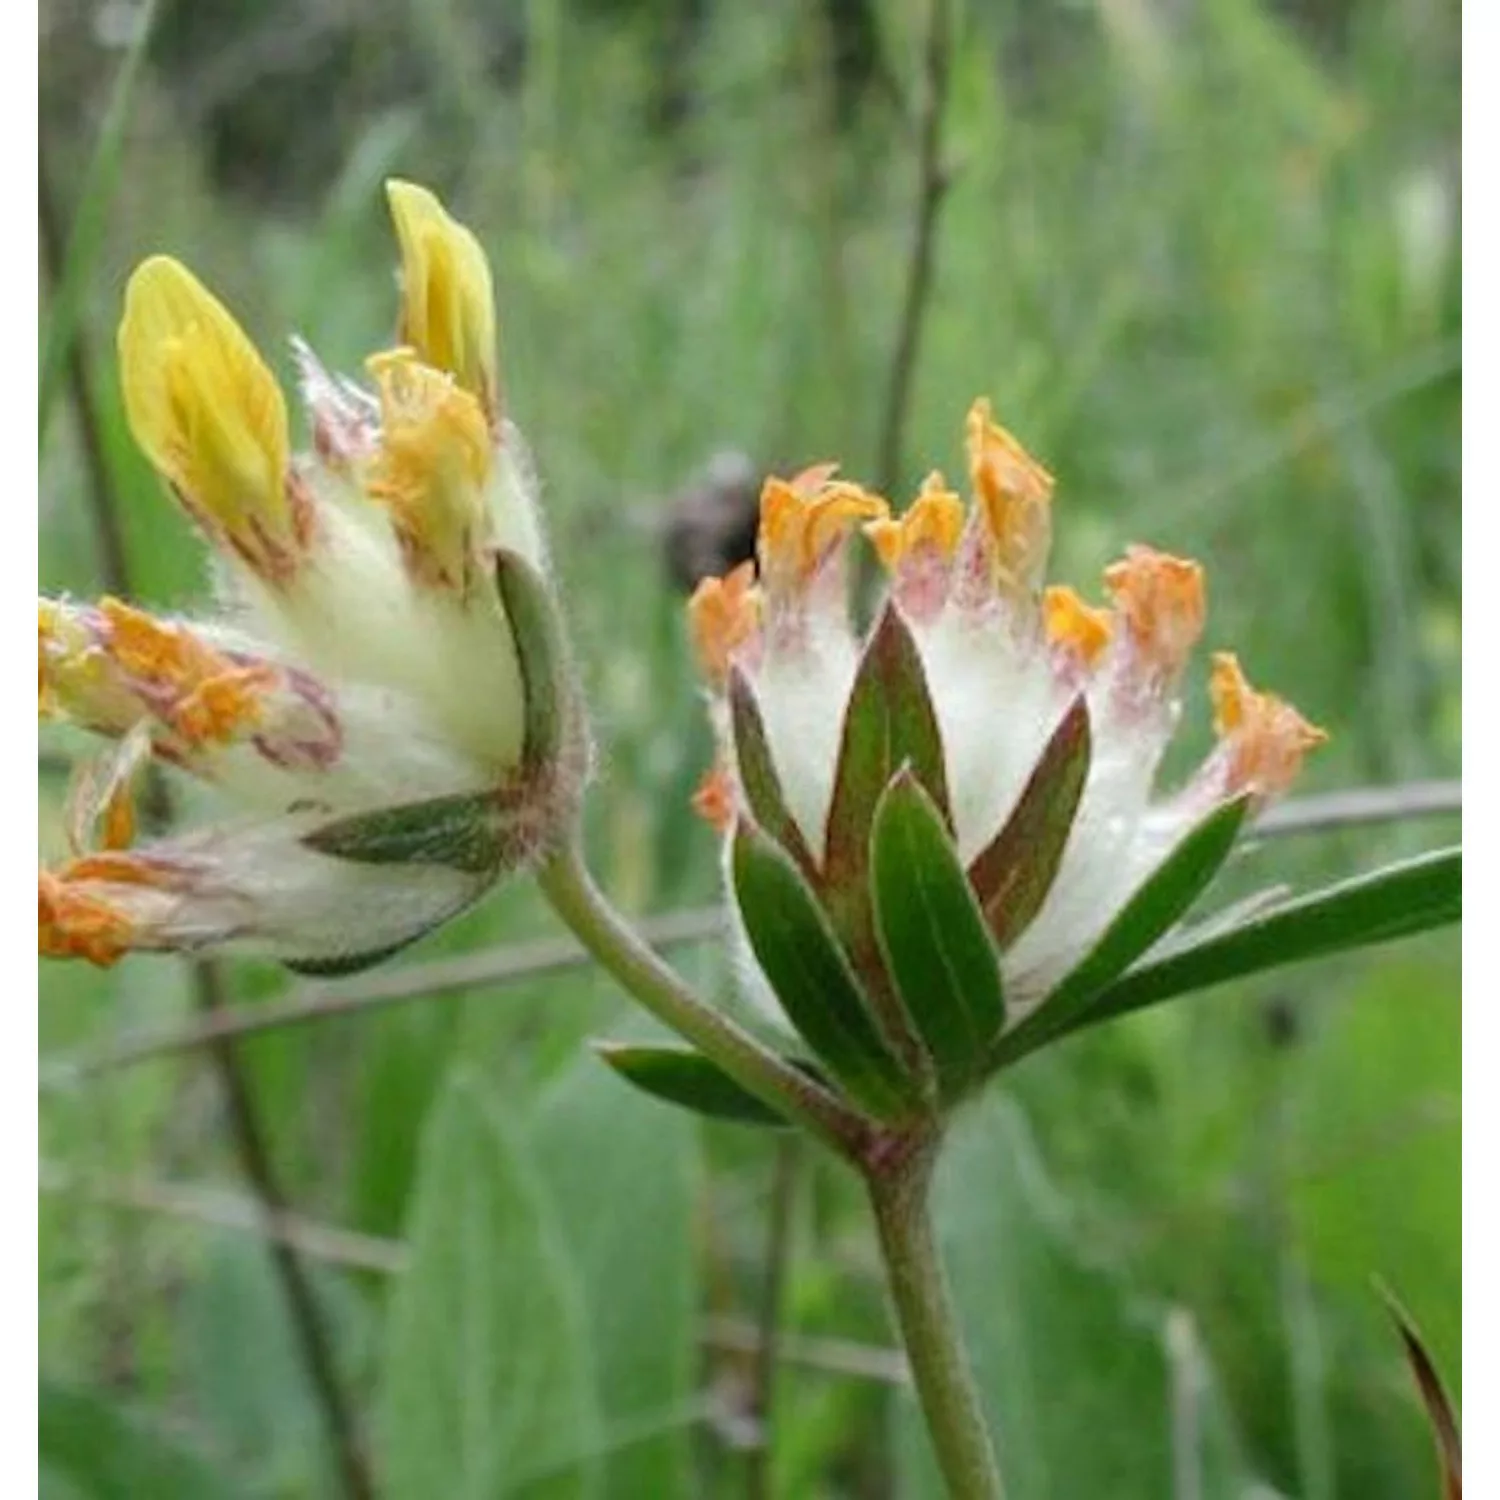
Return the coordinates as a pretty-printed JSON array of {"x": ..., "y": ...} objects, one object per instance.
[{"x": 1204, "y": 258}]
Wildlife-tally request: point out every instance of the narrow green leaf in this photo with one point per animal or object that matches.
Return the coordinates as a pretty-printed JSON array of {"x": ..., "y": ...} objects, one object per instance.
[
  {"x": 889, "y": 721},
  {"x": 757, "y": 772},
  {"x": 686, "y": 1078},
  {"x": 86, "y": 233},
  {"x": 468, "y": 832},
  {"x": 486, "y": 1376},
  {"x": 541, "y": 653},
  {"x": 1013, "y": 873},
  {"x": 1440, "y": 1415},
  {"x": 933, "y": 935},
  {"x": 1166, "y": 894},
  {"x": 1397, "y": 901},
  {"x": 806, "y": 969}
]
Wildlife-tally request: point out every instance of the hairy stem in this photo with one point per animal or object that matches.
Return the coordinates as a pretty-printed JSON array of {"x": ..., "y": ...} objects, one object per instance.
[
  {"x": 899, "y": 1195},
  {"x": 567, "y": 884}
]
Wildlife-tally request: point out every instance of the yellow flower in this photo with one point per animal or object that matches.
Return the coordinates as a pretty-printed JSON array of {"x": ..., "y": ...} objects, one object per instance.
[
  {"x": 447, "y": 298},
  {"x": 77, "y": 920},
  {"x": 1075, "y": 627},
  {"x": 1262, "y": 737},
  {"x": 1160, "y": 598},
  {"x": 210, "y": 416},
  {"x": 432, "y": 467},
  {"x": 933, "y": 523},
  {"x": 722, "y": 615},
  {"x": 111, "y": 668},
  {"x": 804, "y": 522},
  {"x": 1015, "y": 497}
]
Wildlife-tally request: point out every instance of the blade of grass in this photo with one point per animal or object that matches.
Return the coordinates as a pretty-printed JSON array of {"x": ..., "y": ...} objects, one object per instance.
[
  {"x": 778, "y": 1251},
  {"x": 1330, "y": 414},
  {"x": 86, "y": 234}
]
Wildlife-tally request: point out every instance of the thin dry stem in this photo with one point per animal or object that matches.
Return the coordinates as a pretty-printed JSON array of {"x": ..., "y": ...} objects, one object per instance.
[{"x": 932, "y": 185}]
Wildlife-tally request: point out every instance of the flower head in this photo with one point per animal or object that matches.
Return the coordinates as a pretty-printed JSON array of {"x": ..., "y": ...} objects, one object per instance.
[
  {"x": 967, "y": 787},
  {"x": 385, "y": 696}
]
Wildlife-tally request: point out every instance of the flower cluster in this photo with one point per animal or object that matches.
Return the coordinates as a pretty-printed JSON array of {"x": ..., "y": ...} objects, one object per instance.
[
  {"x": 1021, "y": 722},
  {"x": 380, "y": 691}
]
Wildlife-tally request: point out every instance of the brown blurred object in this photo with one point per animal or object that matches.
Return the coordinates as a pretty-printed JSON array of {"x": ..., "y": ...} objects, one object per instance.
[
  {"x": 1441, "y": 1417},
  {"x": 710, "y": 525}
]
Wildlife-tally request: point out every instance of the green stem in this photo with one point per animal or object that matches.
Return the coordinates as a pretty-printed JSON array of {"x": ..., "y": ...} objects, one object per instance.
[
  {"x": 898, "y": 1186},
  {"x": 929, "y": 1327},
  {"x": 567, "y": 884}
]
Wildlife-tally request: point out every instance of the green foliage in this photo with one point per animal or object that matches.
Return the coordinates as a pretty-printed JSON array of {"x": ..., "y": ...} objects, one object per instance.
[
  {"x": 809, "y": 976},
  {"x": 622, "y": 1177},
  {"x": 1381, "y": 1071},
  {"x": 556, "y": 1252},
  {"x": 1435, "y": 1398},
  {"x": 1205, "y": 262},
  {"x": 402, "y": 1056},
  {"x": 1397, "y": 901},
  {"x": 487, "y": 1386},
  {"x": 932, "y": 933},
  {"x": 687, "y": 1078},
  {"x": 1246, "y": 1160},
  {"x": 464, "y": 832},
  {"x": 1012, "y": 874},
  {"x": 532, "y": 613},
  {"x": 890, "y": 722},
  {"x": 1158, "y": 905},
  {"x": 76, "y": 258},
  {"x": 250, "y": 1389},
  {"x": 95, "y": 1449}
]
